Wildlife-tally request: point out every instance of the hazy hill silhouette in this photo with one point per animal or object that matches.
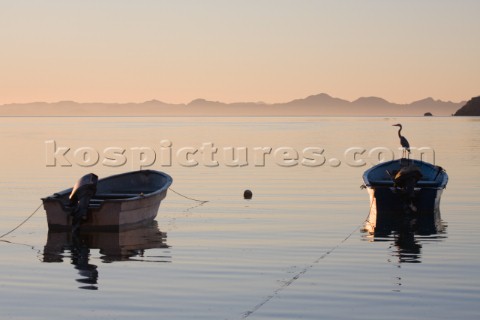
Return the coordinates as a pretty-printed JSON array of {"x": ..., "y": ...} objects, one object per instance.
[
  {"x": 471, "y": 108},
  {"x": 322, "y": 99},
  {"x": 315, "y": 105}
]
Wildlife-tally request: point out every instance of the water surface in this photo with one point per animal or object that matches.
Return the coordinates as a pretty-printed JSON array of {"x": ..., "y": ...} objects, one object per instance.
[{"x": 294, "y": 251}]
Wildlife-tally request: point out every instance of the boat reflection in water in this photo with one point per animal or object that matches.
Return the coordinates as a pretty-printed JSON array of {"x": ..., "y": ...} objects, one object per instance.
[
  {"x": 128, "y": 245},
  {"x": 407, "y": 230}
]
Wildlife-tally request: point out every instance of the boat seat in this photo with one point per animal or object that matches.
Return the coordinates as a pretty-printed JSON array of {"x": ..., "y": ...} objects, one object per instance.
[
  {"x": 425, "y": 183},
  {"x": 421, "y": 183},
  {"x": 116, "y": 195},
  {"x": 382, "y": 183}
]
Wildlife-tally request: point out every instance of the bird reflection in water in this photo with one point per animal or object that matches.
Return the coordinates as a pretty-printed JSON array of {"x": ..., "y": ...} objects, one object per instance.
[{"x": 129, "y": 245}]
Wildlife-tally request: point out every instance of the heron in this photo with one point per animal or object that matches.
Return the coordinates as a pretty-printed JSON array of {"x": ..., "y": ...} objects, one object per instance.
[{"x": 403, "y": 141}]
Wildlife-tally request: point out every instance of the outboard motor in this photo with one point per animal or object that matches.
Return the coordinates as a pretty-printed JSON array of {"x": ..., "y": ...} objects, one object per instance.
[
  {"x": 406, "y": 179},
  {"x": 82, "y": 192}
]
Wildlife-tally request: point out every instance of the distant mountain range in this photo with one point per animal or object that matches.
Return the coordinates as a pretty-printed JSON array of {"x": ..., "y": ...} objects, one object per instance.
[{"x": 316, "y": 105}]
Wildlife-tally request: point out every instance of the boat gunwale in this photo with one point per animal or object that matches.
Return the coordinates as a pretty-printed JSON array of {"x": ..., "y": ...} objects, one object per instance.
[
  {"x": 57, "y": 196},
  {"x": 423, "y": 184}
]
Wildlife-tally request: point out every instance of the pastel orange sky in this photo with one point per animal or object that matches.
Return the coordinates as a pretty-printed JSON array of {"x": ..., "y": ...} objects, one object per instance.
[{"x": 258, "y": 50}]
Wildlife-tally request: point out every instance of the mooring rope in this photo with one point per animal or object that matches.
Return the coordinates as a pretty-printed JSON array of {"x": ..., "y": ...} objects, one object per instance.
[
  {"x": 295, "y": 277},
  {"x": 22, "y": 223},
  {"x": 35, "y": 211},
  {"x": 303, "y": 271},
  {"x": 182, "y": 195}
]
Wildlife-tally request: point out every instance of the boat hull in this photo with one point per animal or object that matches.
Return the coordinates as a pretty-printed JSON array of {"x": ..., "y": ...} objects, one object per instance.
[
  {"x": 391, "y": 205},
  {"x": 114, "y": 212},
  {"x": 388, "y": 211}
]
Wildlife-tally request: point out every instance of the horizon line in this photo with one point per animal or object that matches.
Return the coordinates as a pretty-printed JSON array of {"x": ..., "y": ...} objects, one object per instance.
[{"x": 236, "y": 102}]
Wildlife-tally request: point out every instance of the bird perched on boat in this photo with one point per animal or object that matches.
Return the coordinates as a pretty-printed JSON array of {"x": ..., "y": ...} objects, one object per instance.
[{"x": 403, "y": 141}]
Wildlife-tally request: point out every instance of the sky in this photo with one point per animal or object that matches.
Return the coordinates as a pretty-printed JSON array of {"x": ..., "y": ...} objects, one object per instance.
[{"x": 238, "y": 50}]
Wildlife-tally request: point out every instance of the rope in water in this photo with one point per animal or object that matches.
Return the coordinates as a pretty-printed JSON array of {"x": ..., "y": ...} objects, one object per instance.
[
  {"x": 304, "y": 270},
  {"x": 181, "y": 195},
  {"x": 22, "y": 223},
  {"x": 35, "y": 211}
]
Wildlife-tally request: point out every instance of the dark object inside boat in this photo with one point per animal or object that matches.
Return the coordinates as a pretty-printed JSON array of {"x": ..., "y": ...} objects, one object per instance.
[
  {"x": 82, "y": 192},
  {"x": 406, "y": 178}
]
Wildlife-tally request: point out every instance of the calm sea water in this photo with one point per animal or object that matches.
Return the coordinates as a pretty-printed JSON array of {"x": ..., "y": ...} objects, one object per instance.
[{"x": 294, "y": 251}]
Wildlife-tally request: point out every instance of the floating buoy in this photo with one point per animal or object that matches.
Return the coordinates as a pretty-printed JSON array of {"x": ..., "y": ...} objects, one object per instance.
[{"x": 247, "y": 194}]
